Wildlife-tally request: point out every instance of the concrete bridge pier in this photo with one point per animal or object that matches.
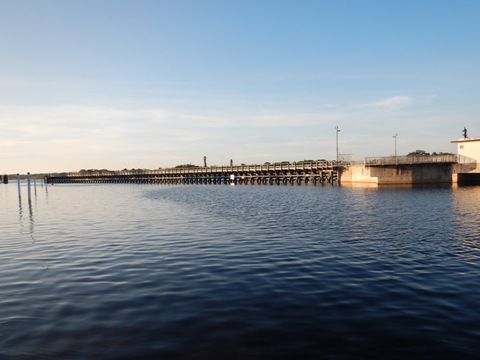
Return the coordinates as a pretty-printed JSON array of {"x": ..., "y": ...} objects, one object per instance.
[{"x": 402, "y": 174}]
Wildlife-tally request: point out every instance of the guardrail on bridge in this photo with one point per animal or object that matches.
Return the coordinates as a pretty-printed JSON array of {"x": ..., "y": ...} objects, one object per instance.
[{"x": 410, "y": 160}]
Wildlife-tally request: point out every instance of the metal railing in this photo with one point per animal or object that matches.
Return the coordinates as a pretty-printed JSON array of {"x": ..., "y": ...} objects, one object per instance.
[
  {"x": 410, "y": 160},
  {"x": 465, "y": 160},
  {"x": 284, "y": 167}
]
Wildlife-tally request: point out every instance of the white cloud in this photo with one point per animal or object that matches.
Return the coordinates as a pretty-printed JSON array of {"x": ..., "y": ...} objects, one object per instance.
[
  {"x": 392, "y": 102},
  {"x": 74, "y": 136}
]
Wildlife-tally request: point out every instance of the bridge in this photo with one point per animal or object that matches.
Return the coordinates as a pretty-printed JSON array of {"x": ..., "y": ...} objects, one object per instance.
[
  {"x": 409, "y": 170},
  {"x": 306, "y": 172}
]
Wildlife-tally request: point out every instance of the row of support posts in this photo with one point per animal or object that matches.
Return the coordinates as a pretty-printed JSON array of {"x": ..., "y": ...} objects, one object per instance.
[
  {"x": 322, "y": 177},
  {"x": 29, "y": 186}
]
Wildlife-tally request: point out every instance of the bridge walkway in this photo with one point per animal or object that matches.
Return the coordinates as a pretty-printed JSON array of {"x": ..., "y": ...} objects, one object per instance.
[{"x": 283, "y": 173}]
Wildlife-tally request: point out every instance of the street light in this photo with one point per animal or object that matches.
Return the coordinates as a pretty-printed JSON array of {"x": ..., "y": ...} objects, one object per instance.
[
  {"x": 337, "y": 130},
  {"x": 396, "y": 159},
  {"x": 395, "y": 137}
]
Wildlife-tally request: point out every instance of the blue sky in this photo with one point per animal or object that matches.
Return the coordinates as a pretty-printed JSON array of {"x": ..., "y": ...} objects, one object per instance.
[{"x": 147, "y": 84}]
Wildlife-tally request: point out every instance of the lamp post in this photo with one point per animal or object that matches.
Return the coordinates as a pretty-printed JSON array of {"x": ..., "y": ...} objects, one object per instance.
[
  {"x": 337, "y": 130},
  {"x": 395, "y": 137}
]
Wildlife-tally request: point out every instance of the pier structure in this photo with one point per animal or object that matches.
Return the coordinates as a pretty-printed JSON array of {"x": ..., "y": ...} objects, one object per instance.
[
  {"x": 407, "y": 170},
  {"x": 468, "y": 147},
  {"x": 305, "y": 172}
]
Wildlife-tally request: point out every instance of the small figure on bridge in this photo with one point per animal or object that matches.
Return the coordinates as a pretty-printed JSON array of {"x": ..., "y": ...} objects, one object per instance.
[
  {"x": 205, "y": 161},
  {"x": 231, "y": 162}
]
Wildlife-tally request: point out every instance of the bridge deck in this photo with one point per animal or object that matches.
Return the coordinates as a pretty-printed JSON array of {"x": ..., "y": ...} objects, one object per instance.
[{"x": 282, "y": 173}]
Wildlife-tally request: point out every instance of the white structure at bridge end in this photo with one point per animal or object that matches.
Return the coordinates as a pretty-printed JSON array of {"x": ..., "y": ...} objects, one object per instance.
[{"x": 468, "y": 147}]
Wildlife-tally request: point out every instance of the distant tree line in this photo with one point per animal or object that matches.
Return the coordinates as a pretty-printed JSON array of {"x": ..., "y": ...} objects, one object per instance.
[
  {"x": 186, "y": 166},
  {"x": 425, "y": 153}
]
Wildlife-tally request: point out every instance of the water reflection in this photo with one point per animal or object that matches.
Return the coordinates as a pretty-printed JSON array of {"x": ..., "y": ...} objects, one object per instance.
[
  {"x": 309, "y": 272},
  {"x": 20, "y": 211},
  {"x": 31, "y": 222},
  {"x": 30, "y": 206},
  {"x": 465, "y": 205}
]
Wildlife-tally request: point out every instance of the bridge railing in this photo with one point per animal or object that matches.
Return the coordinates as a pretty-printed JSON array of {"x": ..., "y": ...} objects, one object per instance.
[
  {"x": 240, "y": 168},
  {"x": 461, "y": 159},
  {"x": 285, "y": 166},
  {"x": 410, "y": 160}
]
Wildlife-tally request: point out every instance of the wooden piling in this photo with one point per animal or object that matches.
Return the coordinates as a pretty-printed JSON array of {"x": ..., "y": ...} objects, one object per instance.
[{"x": 18, "y": 184}]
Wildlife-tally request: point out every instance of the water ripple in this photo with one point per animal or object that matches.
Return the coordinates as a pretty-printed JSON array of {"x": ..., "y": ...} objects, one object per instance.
[{"x": 244, "y": 272}]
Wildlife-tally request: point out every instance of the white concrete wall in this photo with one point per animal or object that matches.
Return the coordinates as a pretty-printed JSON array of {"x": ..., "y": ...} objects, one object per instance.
[
  {"x": 469, "y": 147},
  {"x": 357, "y": 174},
  {"x": 398, "y": 174}
]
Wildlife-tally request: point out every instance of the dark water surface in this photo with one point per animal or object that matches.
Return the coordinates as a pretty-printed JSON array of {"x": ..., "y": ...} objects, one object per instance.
[{"x": 244, "y": 272}]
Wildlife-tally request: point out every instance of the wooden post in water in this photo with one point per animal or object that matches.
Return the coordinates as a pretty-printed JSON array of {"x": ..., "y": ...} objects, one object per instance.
[
  {"x": 28, "y": 186},
  {"x": 18, "y": 183}
]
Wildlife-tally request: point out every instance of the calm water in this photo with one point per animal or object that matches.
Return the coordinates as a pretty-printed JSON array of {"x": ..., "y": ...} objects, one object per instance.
[{"x": 244, "y": 272}]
